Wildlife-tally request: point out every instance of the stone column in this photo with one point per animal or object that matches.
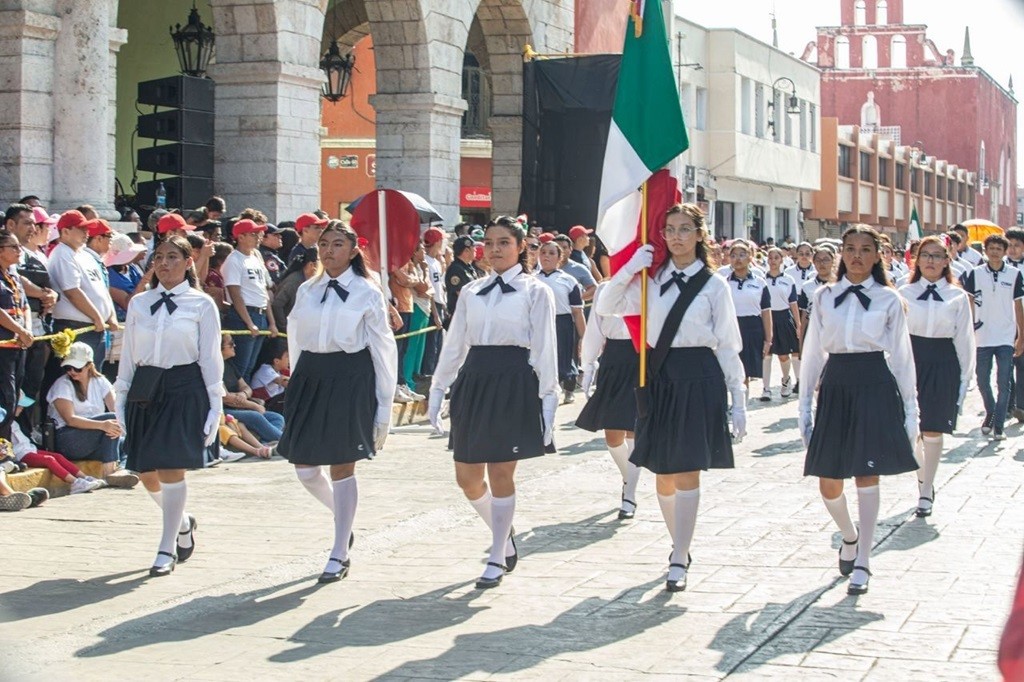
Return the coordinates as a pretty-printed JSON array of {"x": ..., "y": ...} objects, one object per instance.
[
  {"x": 81, "y": 107},
  {"x": 506, "y": 163},
  {"x": 418, "y": 138},
  {"x": 118, "y": 37},
  {"x": 26, "y": 100}
]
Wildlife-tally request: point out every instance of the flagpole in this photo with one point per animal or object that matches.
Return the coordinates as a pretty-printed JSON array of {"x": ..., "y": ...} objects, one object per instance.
[
  {"x": 382, "y": 231},
  {"x": 643, "y": 288}
]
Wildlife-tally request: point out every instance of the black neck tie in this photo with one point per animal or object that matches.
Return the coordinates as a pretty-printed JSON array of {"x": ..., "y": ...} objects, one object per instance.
[
  {"x": 678, "y": 279},
  {"x": 165, "y": 299},
  {"x": 931, "y": 291},
  {"x": 341, "y": 291},
  {"x": 733, "y": 277},
  {"x": 498, "y": 282},
  {"x": 858, "y": 291}
]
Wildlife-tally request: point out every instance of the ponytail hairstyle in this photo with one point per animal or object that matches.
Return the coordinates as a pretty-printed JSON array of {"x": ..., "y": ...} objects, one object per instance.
[
  {"x": 938, "y": 240},
  {"x": 516, "y": 230},
  {"x": 877, "y": 270},
  {"x": 694, "y": 212},
  {"x": 358, "y": 263},
  {"x": 185, "y": 249}
]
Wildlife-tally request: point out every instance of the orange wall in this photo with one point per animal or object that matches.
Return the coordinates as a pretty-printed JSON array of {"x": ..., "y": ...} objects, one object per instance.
[
  {"x": 353, "y": 116},
  {"x": 601, "y": 25}
]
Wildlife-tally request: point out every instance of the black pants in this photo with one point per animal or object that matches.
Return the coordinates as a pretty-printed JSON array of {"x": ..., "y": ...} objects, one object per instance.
[
  {"x": 12, "y": 370},
  {"x": 36, "y": 358},
  {"x": 403, "y": 344},
  {"x": 1017, "y": 385}
]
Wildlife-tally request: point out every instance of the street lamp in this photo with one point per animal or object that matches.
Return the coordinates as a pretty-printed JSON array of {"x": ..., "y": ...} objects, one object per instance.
[
  {"x": 792, "y": 102},
  {"x": 194, "y": 44},
  {"x": 338, "y": 70}
]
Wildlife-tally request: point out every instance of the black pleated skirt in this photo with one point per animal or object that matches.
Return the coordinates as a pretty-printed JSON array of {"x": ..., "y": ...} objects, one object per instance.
[
  {"x": 784, "y": 338},
  {"x": 938, "y": 383},
  {"x": 613, "y": 404},
  {"x": 752, "y": 355},
  {"x": 858, "y": 424},
  {"x": 687, "y": 428},
  {"x": 329, "y": 409},
  {"x": 565, "y": 339},
  {"x": 495, "y": 407},
  {"x": 167, "y": 432}
]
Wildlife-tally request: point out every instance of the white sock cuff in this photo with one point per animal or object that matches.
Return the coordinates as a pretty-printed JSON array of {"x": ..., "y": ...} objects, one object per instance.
[
  {"x": 509, "y": 501},
  {"x": 307, "y": 473},
  {"x": 157, "y": 496},
  {"x": 483, "y": 499},
  {"x": 867, "y": 491},
  {"x": 171, "y": 487},
  {"x": 932, "y": 439},
  {"x": 688, "y": 493},
  {"x": 834, "y": 500}
]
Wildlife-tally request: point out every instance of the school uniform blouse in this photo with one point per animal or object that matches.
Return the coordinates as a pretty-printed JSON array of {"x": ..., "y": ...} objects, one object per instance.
[
  {"x": 948, "y": 318},
  {"x": 568, "y": 294},
  {"x": 520, "y": 313},
  {"x": 167, "y": 331},
  {"x": 850, "y": 328},
  {"x": 807, "y": 291},
  {"x": 783, "y": 291},
  {"x": 326, "y": 319},
  {"x": 600, "y": 328},
  {"x": 710, "y": 321},
  {"x": 750, "y": 295},
  {"x": 799, "y": 275}
]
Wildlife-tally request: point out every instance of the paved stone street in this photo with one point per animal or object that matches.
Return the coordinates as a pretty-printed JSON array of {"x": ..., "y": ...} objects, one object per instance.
[{"x": 587, "y": 601}]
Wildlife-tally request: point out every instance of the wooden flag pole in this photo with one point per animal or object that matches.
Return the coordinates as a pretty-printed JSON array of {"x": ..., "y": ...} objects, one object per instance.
[{"x": 643, "y": 289}]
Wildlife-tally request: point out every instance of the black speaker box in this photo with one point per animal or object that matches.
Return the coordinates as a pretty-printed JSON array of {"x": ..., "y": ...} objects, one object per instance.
[
  {"x": 194, "y": 160},
  {"x": 182, "y": 192},
  {"x": 178, "y": 92},
  {"x": 178, "y": 126}
]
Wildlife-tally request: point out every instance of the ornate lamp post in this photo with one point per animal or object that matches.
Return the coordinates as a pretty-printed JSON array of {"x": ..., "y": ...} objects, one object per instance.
[
  {"x": 194, "y": 44},
  {"x": 338, "y": 70}
]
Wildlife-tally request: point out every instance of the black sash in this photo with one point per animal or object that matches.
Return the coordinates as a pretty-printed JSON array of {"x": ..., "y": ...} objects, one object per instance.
[{"x": 146, "y": 384}]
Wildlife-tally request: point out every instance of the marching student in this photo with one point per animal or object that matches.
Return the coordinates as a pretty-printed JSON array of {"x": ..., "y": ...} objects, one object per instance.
[
  {"x": 866, "y": 421},
  {"x": 569, "y": 322},
  {"x": 785, "y": 325},
  {"x": 997, "y": 289},
  {"x": 169, "y": 390},
  {"x": 683, "y": 420},
  {"x": 942, "y": 337},
  {"x": 608, "y": 355},
  {"x": 500, "y": 362},
  {"x": 1015, "y": 257},
  {"x": 893, "y": 267},
  {"x": 753, "y": 304},
  {"x": 966, "y": 255},
  {"x": 803, "y": 270},
  {"x": 824, "y": 267},
  {"x": 338, "y": 405}
]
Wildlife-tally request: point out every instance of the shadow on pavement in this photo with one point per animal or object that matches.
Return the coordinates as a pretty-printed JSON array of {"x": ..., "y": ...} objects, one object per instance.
[
  {"x": 571, "y": 535},
  {"x": 385, "y": 621},
  {"x": 48, "y": 597},
  {"x": 913, "y": 532},
  {"x": 754, "y": 638},
  {"x": 779, "y": 448},
  {"x": 594, "y": 444},
  {"x": 591, "y": 624},
  {"x": 787, "y": 424}
]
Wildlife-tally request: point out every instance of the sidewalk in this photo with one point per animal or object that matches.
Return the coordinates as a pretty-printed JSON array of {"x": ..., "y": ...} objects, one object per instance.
[{"x": 586, "y": 602}]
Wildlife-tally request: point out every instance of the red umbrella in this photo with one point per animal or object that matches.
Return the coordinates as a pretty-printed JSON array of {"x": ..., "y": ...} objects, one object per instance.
[{"x": 396, "y": 235}]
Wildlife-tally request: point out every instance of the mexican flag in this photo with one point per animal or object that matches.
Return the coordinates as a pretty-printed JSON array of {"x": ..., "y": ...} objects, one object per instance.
[
  {"x": 913, "y": 232},
  {"x": 647, "y": 132}
]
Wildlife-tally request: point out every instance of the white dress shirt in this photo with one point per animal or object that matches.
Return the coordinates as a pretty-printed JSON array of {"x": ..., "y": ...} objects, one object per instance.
[
  {"x": 783, "y": 291},
  {"x": 600, "y": 328},
  {"x": 949, "y": 318},
  {"x": 709, "y": 322},
  {"x": 321, "y": 322},
  {"x": 750, "y": 295},
  {"x": 191, "y": 334},
  {"x": 524, "y": 317},
  {"x": 70, "y": 269},
  {"x": 852, "y": 329},
  {"x": 973, "y": 257},
  {"x": 800, "y": 275},
  {"x": 566, "y": 289},
  {"x": 995, "y": 293}
]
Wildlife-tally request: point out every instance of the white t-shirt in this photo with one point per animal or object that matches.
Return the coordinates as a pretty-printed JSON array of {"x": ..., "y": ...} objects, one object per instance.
[
  {"x": 436, "y": 278},
  {"x": 249, "y": 273},
  {"x": 264, "y": 378},
  {"x": 70, "y": 269},
  {"x": 92, "y": 406}
]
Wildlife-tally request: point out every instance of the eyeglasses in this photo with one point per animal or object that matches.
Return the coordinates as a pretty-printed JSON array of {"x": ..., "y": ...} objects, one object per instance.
[
  {"x": 10, "y": 246},
  {"x": 932, "y": 257},
  {"x": 682, "y": 231}
]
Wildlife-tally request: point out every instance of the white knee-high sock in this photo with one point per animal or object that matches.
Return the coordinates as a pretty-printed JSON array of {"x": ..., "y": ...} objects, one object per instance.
[
  {"x": 668, "y": 512},
  {"x": 314, "y": 479},
  {"x": 687, "y": 502},
  {"x": 632, "y": 473},
  {"x": 173, "y": 507},
  {"x": 346, "y": 497},
  {"x": 796, "y": 367},
  {"x": 502, "y": 511},
  {"x": 932, "y": 454},
  {"x": 766, "y": 372},
  {"x": 185, "y": 524},
  {"x": 868, "y": 501},
  {"x": 482, "y": 505},
  {"x": 785, "y": 370},
  {"x": 840, "y": 513},
  {"x": 620, "y": 455}
]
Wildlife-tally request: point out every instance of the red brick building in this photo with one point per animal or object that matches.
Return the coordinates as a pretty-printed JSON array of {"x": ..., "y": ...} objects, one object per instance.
[{"x": 887, "y": 76}]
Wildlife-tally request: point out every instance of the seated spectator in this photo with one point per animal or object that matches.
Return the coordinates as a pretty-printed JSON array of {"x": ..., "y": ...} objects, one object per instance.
[
  {"x": 234, "y": 436},
  {"x": 11, "y": 500},
  {"x": 214, "y": 283},
  {"x": 239, "y": 403},
  {"x": 298, "y": 271},
  {"x": 28, "y": 454},
  {"x": 271, "y": 377},
  {"x": 82, "y": 406}
]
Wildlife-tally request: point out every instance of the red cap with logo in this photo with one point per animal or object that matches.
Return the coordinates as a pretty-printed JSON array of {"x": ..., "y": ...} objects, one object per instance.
[
  {"x": 70, "y": 219},
  {"x": 97, "y": 227},
  {"x": 432, "y": 236},
  {"x": 545, "y": 237},
  {"x": 172, "y": 221},
  {"x": 307, "y": 219},
  {"x": 577, "y": 231},
  {"x": 246, "y": 226}
]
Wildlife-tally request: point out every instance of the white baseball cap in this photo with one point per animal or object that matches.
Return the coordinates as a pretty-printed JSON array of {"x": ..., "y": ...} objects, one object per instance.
[{"x": 79, "y": 355}]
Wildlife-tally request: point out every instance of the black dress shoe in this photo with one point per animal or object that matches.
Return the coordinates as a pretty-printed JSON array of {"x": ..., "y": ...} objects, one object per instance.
[
  {"x": 161, "y": 571},
  {"x": 922, "y": 512},
  {"x": 857, "y": 589},
  {"x": 512, "y": 561},
  {"x": 846, "y": 567},
  {"x": 676, "y": 585},
  {"x": 351, "y": 539},
  {"x": 185, "y": 552},
  {"x": 335, "y": 576},
  {"x": 487, "y": 583},
  {"x": 625, "y": 515}
]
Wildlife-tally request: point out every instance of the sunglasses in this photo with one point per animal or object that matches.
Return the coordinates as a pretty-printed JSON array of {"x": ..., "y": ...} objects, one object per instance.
[{"x": 73, "y": 370}]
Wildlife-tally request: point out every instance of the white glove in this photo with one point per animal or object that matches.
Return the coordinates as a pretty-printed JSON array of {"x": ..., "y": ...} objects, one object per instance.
[
  {"x": 212, "y": 424},
  {"x": 588, "y": 379},
  {"x": 434, "y": 410},
  {"x": 548, "y": 404},
  {"x": 380, "y": 434},
  {"x": 739, "y": 421},
  {"x": 805, "y": 424},
  {"x": 120, "y": 400},
  {"x": 912, "y": 426},
  {"x": 643, "y": 258},
  {"x": 960, "y": 399}
]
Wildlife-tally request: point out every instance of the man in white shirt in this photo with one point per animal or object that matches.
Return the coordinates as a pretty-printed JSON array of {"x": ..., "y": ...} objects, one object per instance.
[
  {"x": 248, "y": 284},
  {"x": 964, "y": 250},
  {"x": 433, "y": 244},
  {"x": 997, "y": 289}
]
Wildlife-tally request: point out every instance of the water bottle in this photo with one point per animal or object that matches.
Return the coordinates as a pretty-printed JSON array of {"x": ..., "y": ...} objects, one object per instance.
[{"x": 161, "y": 196}]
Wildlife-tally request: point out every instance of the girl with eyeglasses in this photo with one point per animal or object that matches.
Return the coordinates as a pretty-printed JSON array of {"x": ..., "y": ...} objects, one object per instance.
[
  {"x": 785, "y": 325},
  {"x": 942, "y": 336}
]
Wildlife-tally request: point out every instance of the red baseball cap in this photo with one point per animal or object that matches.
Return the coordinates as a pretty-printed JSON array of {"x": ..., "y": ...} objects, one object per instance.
[
  {"x": 577, "y": 231},
  {"x": 97, "y": 227},
  {"x": 432, "y": 236},
  {"x": 478, "y": 251},
  {"x": 246, "y": 226},
  {"x": 70, "y": 219},
  {"x": 545, "y": 237},
  {"x": 172, "y": 221},
  {"x": 307, "y": 219}
]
